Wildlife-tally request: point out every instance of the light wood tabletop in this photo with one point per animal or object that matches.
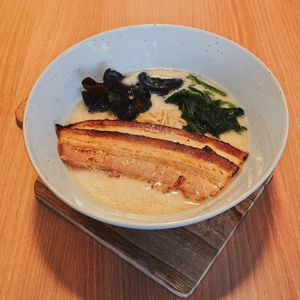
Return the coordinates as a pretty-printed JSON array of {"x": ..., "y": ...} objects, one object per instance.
[{"x": 42, "y": 256}]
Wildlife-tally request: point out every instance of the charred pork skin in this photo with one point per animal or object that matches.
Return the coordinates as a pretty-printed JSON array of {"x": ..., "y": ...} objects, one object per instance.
[{"x": 198, "y": 173}]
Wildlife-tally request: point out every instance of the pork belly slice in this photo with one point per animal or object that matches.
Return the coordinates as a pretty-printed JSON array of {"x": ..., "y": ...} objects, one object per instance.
[
  {"x": 181, "y": 136},
  {"x": 197, "y": 173}
]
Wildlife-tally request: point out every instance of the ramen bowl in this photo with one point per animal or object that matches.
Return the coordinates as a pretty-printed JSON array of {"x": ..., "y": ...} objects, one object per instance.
[{"x": 58, "y": 91}]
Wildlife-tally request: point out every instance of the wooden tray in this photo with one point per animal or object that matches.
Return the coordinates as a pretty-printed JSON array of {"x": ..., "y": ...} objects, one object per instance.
[{"x": 178, "y": 259}]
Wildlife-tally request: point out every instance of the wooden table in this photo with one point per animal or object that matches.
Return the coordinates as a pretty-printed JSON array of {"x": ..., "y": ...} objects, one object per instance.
[{"x": 42, "y": 256}]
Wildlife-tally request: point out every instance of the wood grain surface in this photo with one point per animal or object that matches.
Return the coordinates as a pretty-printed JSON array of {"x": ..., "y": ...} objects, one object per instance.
[
  {"x": 178, "y": 258},
  {"x": 42, "y": 256}
]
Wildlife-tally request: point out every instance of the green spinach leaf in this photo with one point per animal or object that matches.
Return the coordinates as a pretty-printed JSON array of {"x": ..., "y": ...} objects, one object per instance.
[
  {"x": 205, "y": 115},
  {"x": 206, "y": 85}
]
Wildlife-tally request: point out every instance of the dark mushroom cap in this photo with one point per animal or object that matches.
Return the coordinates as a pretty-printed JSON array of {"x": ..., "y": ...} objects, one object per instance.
[
  {"x": 125, "y": 101},
  {"x": 158, "y": 85}
]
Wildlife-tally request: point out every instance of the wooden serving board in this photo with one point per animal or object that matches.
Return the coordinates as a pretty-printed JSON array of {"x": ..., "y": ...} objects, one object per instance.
[{"x": 178, "y": 259}]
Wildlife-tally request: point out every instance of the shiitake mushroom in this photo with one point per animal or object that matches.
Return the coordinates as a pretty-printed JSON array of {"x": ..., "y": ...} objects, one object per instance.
[
  {"x": 125, "y": 101},
  {"x": 95, "y": 96},
  {"x": 158, "y": 85},
  {"x": 129, "y": 106},
  {"x": 113, "y": 79}
]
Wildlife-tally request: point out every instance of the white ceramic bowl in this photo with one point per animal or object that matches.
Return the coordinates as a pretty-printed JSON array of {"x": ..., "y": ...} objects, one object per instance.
[{"x": 57, "y": 92}]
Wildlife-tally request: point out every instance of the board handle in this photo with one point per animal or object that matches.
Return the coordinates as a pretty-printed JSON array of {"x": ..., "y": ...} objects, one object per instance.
[{"x": 19, "y": 112}]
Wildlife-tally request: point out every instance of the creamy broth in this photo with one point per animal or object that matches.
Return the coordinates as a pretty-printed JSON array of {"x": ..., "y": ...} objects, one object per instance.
[
  {"x": 130, "y": 195},
  {"x": 135, "y": 196}
]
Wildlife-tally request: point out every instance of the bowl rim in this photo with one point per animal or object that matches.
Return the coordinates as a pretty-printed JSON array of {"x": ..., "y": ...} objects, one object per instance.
[{"x": 164, "y": 224}]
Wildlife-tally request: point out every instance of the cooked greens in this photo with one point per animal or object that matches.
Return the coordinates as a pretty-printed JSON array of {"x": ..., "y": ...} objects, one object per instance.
[
  {"x": 205, "y": 115},
  {"x": 206, "y": 85}
]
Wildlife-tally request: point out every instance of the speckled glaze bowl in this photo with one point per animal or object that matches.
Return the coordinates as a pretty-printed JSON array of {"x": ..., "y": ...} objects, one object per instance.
[{"x": 57, "y": 92}]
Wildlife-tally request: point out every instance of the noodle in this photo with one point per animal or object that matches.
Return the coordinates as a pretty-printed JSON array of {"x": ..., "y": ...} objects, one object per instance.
[{"x": 169, "y": 116}]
